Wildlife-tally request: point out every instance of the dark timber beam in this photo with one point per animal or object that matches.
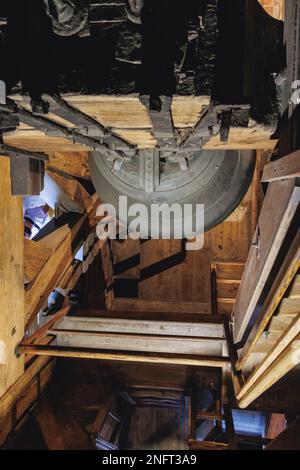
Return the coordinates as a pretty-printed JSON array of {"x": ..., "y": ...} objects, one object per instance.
[
  {"x": 288, "y": 440},
  {"x": 286, "y": 167}
]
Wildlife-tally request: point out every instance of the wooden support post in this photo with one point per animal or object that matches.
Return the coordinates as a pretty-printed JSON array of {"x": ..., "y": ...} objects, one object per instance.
[
  {"x": 12, "y": 311},
  {"x": 230, "y": 431},
  {"x": 192, "y": 424},
  {"x": 214, "y": 289}
]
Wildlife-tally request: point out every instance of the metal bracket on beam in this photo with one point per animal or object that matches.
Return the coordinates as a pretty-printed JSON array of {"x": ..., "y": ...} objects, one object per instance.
[
  {"x": 160, "y": 112},
  {"x": 85, "y": 124},
  {"x": 207, "y": 126},
  {"x": 54, "y": 129}
]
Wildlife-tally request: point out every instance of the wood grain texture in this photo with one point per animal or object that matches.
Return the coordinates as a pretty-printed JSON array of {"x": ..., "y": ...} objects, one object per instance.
[
  {"x": 122, "y": 304},
  {"x": 71, "y": 163},
  {"x": 60, "y": 432},
  {"x": 11, "y": 280},
  {"x": 15, "y": 391},
  {"x": 129, "y": 119},
  {"x": 94, "y": 354},
  {"x": 35, "y": 256},
  {"x": 52, "y": 271},
  {"x": 286, "y": 167},
  {"x": 25, "y": 392}
]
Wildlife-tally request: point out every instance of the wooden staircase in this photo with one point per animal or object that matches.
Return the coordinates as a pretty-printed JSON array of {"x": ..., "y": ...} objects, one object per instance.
[
  {"x": 225, "y": 283},
  {"x": 286, "y": 313}
]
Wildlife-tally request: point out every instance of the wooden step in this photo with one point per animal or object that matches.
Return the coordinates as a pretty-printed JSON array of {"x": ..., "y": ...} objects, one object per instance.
[
  {"x": 295, "y": 289},
  {"x": 225, "y": 306},
  {"x": 140, "y": 326},
  {"x": 207, "y": 445},
  {"x": 210, "y": 416},
  {"x": 266, "y": 341},
  {"x": 281, "y": 323},
  {"x": 229, "y": 271},
  {"x": 290, "y": 306},
  {"x": 227, "y": 288},
  {"x": 142, "y": 343}
]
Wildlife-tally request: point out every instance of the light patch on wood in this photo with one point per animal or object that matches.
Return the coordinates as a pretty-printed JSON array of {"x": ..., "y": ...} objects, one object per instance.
[
  {"x": 274, "y": 8},
  {"x": 3, "y": 354}
]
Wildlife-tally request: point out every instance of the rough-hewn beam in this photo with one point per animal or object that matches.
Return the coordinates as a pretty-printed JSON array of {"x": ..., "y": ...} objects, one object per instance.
[{"x": 128, "y": 119}]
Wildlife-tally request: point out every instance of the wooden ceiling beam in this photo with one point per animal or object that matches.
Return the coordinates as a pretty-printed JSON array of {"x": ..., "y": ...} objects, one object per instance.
[
  {"x": 128, "y": 119},
  {"x": 121, "y": 356}
]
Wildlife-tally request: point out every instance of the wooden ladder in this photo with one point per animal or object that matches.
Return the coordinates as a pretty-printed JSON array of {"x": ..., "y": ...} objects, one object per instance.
[{"x": 221, "y": 412}]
